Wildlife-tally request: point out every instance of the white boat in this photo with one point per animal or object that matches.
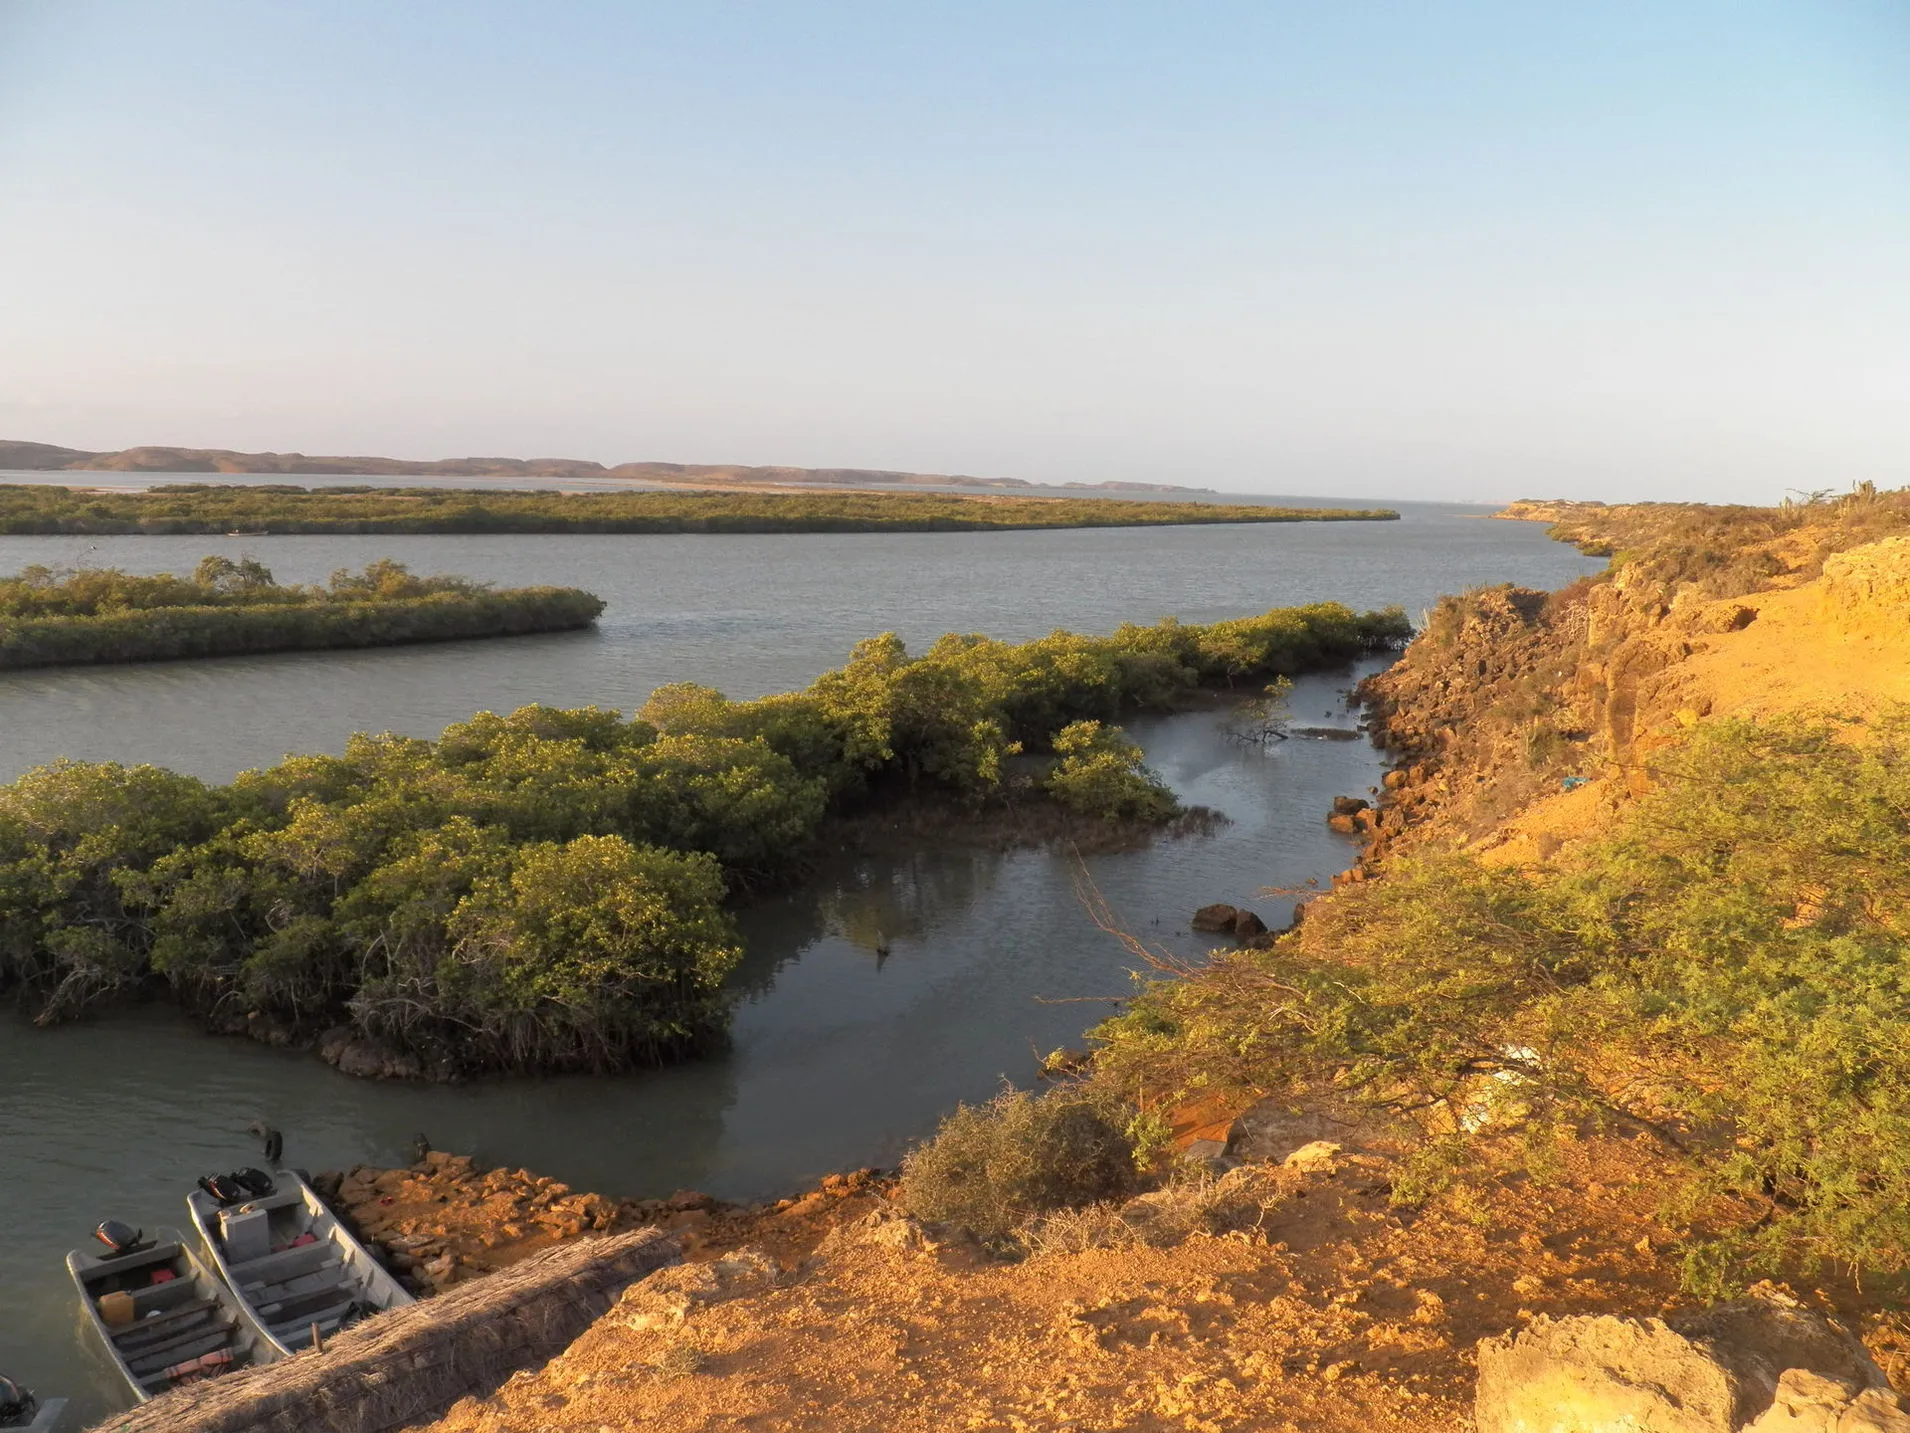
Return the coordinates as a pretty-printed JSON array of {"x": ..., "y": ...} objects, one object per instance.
[
  {"x": 297, "y": 1270},
  {"x": 163, "y": 1316}
]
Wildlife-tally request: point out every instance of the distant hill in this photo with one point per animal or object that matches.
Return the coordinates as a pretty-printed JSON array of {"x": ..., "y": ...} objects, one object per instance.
[{"x": 46, "y": 457}]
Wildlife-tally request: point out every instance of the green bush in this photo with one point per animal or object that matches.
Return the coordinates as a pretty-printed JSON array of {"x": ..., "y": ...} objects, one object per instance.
[
  {"x": 1101, "y": 774},
  {"x": 1728, "y": 972},
  {"x": 227, "y": 608},
  {"x": 595, "y": 954},
  {"x": 989, "y": 1167}
]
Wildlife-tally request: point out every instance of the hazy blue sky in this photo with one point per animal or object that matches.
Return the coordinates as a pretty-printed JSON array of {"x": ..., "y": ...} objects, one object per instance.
[{"x": 1413, "y": 249}]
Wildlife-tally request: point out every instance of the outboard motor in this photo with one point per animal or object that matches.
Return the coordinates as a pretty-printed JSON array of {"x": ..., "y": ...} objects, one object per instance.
[
  {"x": 121, "y": 1239},
  {"x": 238, "y": 1186},
  {"x": 17, "y": 1404}
]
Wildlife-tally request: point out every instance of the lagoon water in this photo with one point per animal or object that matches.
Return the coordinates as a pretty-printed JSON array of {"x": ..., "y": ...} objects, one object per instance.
[
  {"x": 745, "y": 614},
  {"x": 840, "y": 1056}
]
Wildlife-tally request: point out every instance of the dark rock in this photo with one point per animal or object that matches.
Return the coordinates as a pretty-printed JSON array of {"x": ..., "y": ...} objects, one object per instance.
[
  {"x": 345, "y": 1051},
  {"x": 1247, "y": 925},
  {"x": 1349, "y": 805},
  {"x": 1216, "y": 919}
]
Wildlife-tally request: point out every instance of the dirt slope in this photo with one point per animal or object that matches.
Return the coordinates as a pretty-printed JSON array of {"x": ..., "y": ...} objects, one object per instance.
[{"x": 1329, "y": 1311}]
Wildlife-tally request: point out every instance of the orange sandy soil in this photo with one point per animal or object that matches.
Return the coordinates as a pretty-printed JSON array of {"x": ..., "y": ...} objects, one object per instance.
[
  {"x": 1330, "y": 1309},
  {"x": 1837, "y": 646},
  {"x": 443, "y": 1221},
  {"x": 1337, "y": 1312}
]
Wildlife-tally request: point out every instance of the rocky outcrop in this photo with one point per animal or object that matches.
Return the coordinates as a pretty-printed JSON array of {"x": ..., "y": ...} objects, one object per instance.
[
  {"x": 1869, "y": 581},
  {"x": 444, "y": 1221},
  {"x": 1214, "y": 919},
  {"x": 1762, "y": 1365},
  {"x": 1221, "y": 919},
  {"x": 345, "y": 1051}
]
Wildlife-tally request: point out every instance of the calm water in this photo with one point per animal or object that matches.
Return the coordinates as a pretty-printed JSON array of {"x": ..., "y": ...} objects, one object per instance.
[
  {"x": 839, "y": 1057},
  {"x": 748, "y": 615}
]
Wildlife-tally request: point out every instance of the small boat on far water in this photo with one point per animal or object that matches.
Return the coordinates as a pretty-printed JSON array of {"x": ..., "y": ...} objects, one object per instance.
[
  {"x": 163, "y": 1316},
  {"x": 298, "y": 1271}
]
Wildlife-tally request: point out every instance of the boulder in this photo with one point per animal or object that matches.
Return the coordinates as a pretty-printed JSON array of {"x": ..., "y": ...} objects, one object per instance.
[
  {"x": 881, "y": 1229},
  {"x": 344, "y": 1051},
  {"x": 1349, "y": 805},
  {"x": 1216, "y": 919},
  {"x": 1236, "y": 921},
  {"x": 1321, "y": 1156},
  {"x": 1760, "y": 1365},
  {"x": 667, "y": 1297}
]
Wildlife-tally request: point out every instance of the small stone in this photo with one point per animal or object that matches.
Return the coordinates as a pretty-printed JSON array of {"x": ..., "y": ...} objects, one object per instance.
[{"x": 1322, "y": 1156}]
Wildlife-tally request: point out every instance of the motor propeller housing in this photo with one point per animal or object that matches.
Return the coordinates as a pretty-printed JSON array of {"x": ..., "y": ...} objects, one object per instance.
[{"x": 120, "y": 1238}]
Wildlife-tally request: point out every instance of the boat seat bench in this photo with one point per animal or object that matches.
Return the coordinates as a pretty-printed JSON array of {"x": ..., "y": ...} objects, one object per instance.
[
  {"x": 295, "y": 1330},
  {"x": 168, "y": 1319},
  {"x": 265, "y": 1295},
  {"x": 294, "y": 1308},
  {"x": 173, "y": 1333},
  {"x": 206, "y": 1343},
  {"x": 286, "y": 1264}
]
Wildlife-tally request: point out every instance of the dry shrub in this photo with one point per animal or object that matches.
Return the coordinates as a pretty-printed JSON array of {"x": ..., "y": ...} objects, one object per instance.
[
  {"x": 991, "y": 1167},
  {"x": 1199, "y": 1203}
]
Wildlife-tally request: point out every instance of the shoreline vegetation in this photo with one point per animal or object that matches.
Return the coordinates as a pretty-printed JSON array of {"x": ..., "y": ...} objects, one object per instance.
[
  {"x": 208, "y": 509},
  {"x": 551, "y": 889},
  {"x": 227, "y": 608}
]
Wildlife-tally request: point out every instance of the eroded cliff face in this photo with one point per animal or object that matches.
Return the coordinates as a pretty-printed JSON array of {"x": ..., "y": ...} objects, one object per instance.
[{"x": 1522, "y": 721}]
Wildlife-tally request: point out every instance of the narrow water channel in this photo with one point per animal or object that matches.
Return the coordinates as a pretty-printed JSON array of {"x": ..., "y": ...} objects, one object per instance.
[{"x": 840, "y": 1057}]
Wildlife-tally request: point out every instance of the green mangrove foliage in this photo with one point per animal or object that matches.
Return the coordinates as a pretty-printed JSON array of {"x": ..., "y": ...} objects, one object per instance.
[
  {"x": 286, "y": 508},
  {"x": 1730, "y": 972},
  {"x": 1100, "y": 773},
  {"x": 50, "y": 618},
  {"x": 545, "y": 890}
]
